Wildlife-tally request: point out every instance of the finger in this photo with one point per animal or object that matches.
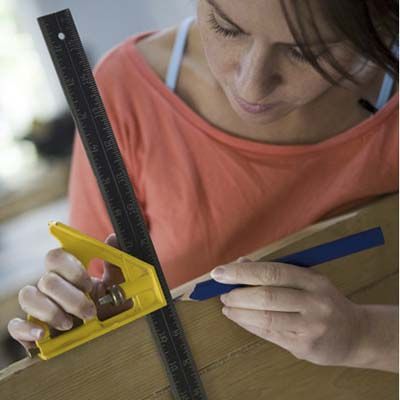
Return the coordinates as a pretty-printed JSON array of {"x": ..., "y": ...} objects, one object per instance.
[
  {"x": 286, "y": 340},
  {"x": 112, "y": 274},
  {"x": 267, "y": 320},
  {"x": 66, "y": 295},
  {"x": 24, "y": 331},
  {"x": 69, "y": 267},
  {"x": 268, "y": 274},
  {"x": 112, "y": 240},
  {"x": 270, "y": 298},
  {"x": 244, "y": 259},
  {"x": 27, "y": 345},
  {"x": 35, "y": 303}
]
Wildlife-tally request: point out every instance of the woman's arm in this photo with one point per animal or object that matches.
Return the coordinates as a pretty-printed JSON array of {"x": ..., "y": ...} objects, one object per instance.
[{"x": 379, "y": 348}]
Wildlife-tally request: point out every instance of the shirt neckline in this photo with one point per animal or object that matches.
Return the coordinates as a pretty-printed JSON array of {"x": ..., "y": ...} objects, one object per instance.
[{"x": 363, "y": 128}]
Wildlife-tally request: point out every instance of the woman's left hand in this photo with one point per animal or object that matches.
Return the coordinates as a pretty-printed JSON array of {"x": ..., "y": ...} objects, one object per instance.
[{"x": 296, "y": 308}]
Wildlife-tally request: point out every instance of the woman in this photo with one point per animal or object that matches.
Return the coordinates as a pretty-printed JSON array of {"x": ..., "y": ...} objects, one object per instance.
[{"x": 274, "y": 115}]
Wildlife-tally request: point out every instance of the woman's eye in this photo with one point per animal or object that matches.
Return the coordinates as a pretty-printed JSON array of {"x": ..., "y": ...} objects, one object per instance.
[
  {"x": 221, "y": 30},
  {"x": 297, "y": 55}
]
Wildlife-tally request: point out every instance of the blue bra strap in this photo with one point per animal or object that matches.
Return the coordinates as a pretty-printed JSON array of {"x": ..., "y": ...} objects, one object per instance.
[
  {"x": 388, "y": 82},
  {"x": 177, "y": 53}
]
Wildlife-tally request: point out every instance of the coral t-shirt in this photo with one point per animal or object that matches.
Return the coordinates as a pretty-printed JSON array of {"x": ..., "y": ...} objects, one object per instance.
[{"x": 210, "y": 197}]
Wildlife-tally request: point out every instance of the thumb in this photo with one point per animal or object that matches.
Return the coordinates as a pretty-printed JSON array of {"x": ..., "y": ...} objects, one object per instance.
[
  {"x": 112, "y": 274},
  {"x": 244, "y": 259}
]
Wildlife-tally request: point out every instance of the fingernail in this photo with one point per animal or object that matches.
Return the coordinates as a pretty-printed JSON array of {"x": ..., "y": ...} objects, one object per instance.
[
  {"x": 217, "y": 273},
  {"x": 66, "y": 325},
  {"x": 37, "y": 333},
  {"x": 90, "y": 312}
]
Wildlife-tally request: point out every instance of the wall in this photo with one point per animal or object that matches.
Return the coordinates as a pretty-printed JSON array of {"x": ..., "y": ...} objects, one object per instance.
[{"x": 101, "y": 24}]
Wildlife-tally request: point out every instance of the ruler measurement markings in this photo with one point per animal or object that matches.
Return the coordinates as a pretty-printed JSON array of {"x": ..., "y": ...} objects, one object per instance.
[
  {"x": 71, "y": 82},
  {"x": 91, "y": 113},
  {"x": 174, "y": 344},
  {"x": 159, "y": 320}
]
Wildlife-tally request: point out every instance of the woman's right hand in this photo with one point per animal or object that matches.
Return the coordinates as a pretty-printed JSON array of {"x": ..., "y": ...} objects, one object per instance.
[{"x": 60, "y": 294}]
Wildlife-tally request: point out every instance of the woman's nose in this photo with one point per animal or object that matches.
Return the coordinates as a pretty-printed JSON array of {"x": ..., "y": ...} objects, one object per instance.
[{"x": 257, "y": 75}]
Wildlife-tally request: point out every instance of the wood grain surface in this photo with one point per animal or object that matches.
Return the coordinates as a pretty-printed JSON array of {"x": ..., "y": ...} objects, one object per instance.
[{"x": 233, "y": 363}]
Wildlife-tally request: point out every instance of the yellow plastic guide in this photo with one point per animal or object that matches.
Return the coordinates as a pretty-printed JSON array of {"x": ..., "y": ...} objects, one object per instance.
[{"x": 141, "y": 285}]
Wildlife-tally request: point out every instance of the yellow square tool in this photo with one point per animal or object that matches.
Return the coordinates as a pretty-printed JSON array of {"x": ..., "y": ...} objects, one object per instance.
[{"x": 141, "y": 286}]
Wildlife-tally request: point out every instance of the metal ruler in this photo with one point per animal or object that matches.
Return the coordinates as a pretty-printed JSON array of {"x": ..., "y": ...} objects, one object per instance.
[{"x": 76, "y": 78}]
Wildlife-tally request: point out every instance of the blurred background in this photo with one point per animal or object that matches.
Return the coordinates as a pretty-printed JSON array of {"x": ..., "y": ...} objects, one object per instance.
[{"x": 36, "y": 129}]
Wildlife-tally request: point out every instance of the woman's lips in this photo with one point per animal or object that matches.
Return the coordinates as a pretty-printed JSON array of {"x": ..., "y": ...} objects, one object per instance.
[{"x": 254, "y": 108}]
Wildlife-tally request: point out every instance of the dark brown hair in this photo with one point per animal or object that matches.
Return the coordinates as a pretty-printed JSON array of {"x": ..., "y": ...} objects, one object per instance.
[{"x": 369, "y": 26}]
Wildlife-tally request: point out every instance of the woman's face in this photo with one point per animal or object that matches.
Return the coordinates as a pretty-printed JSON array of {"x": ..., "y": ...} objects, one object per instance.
[{"x": 253, "y": 56}]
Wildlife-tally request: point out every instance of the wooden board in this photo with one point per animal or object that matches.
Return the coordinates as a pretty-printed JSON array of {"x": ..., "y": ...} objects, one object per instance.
[{"x": 233, "y": 364}]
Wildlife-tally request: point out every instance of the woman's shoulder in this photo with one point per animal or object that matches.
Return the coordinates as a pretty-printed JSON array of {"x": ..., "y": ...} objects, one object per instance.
[
  {"x": 152, "y": 48},
  {"x": 142, "y": 61},
  {"x": 156, "y": 50}
]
